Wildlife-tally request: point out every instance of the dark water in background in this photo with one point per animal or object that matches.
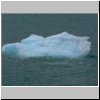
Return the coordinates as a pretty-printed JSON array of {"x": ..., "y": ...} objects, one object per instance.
[{"x": 50, "y": 71}]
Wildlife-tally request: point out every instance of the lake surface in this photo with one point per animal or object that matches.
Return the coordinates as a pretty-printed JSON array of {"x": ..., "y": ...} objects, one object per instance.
[{"x": 48, "y": 71}]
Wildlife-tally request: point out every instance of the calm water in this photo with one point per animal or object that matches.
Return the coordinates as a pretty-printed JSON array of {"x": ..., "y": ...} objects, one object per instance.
[{"x": 50, "y": 71}]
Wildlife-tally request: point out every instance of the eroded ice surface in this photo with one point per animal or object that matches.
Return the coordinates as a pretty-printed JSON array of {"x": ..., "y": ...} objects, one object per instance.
[{"x": 60, "y": 45}]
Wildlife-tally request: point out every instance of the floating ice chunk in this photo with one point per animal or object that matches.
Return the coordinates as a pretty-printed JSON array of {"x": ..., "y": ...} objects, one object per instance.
[{"x": 60, "y": 45}]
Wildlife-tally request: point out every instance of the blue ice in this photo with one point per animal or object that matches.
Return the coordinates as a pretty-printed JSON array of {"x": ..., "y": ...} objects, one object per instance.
[{"x": 60, "y": 45}]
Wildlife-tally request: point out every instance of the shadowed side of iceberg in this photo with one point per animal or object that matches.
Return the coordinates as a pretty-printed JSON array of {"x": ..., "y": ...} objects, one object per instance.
[{"x": 11, "y": 50}]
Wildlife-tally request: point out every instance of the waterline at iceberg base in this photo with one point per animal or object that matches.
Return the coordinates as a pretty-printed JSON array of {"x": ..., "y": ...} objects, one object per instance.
[{"x": 60, "y": 45}]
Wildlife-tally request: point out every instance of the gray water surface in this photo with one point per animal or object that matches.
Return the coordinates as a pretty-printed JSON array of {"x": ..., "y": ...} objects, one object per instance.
[{"x": 48, "y": 71}]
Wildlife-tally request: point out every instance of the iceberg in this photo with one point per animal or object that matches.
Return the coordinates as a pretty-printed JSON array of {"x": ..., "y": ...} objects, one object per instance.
[{"x": 60, "y": 45}]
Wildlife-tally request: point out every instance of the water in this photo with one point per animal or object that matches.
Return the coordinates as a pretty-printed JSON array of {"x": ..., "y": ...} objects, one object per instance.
[{"x": 48, "y": 71}]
